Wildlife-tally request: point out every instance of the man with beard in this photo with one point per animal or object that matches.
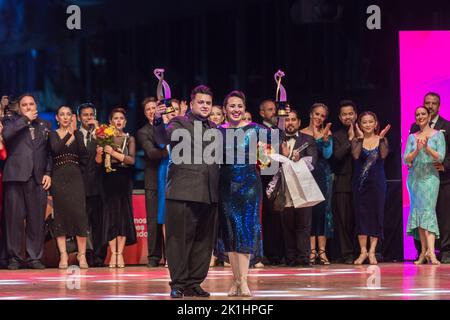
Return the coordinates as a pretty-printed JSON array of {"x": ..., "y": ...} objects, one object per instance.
[
  {"x": 296, "y": 222},
  {"x": 343, "y": 212}
]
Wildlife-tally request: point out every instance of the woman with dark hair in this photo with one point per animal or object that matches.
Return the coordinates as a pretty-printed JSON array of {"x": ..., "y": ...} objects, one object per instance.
[
  {"x": 423, "y": 148},
  {"x": 69, "y": 201},
  {"x": 240, "y": 192},
  {"x": 117, "y": 188},
  {"x": 369, "y": 149},
  {"x": 322, "y": 217}
]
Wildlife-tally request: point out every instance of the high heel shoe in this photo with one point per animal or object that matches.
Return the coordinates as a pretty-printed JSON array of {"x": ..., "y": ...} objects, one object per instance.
[
  {"x": 81, "y": 257},
  {"x": 313, "y": 256},
  {"x": 372, "y": 258},
  {"x": 113, "y": 260},
  {"x": 431, "y": 258},
  {"x": 235, "y": 289},
  {"x": 120, "y": 261},
  {"x": 362, "y": 257},
  {"x": 422, "y": 258},
  {"x": 65, "y": 264},
  {"x": 323, "y": 258},
  {"x": 245, "y": 290}
]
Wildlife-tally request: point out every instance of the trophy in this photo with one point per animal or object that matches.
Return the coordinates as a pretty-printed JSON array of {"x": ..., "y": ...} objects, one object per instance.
[
  {"x": 163, "y": 91},
  {"x": 281, "y": 97}
]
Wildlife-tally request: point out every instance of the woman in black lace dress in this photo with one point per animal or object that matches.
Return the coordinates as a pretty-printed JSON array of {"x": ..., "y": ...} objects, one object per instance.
[
  {"x": 117, "y": 188},
  {"x": 69, "y": 157}
]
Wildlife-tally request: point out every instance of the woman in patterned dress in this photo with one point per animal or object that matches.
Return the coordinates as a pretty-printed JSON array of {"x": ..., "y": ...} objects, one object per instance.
[{"x": 422, "y": 150}]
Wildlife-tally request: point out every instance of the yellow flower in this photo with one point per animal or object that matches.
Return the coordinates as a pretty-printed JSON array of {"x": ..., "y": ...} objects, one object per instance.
[{"x": 109, "y": 131}]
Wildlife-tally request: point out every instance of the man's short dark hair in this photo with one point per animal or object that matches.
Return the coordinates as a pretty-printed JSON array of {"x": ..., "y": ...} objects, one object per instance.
[
  {"x": 347, "y": 103},
  {"x": 261, "y": 105},
  {"x": 201, "y": 89},
  {"x": 433, "y": 94},
  {"x": 87, "y": 105},
  {"x": 147, "y": 100},
  {"x": 26, "y": 95},
  {"x": 296, "y": 114}
]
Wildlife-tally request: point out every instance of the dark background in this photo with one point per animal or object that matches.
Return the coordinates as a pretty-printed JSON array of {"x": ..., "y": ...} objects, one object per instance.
[{"x": 323, "y": 46}]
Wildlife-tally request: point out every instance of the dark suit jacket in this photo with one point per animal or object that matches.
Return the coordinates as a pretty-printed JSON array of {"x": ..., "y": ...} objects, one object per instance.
[
  {"x": 26, "y": 157},
  {"x": 444, "y": 126},
  {"x": 310, "y": 151},
  {"x": 342, "y": 161},
  {"x": 152, "y": 155},
  {"x": 92, "y": 170},
  {"x": 188, "y": 181}
]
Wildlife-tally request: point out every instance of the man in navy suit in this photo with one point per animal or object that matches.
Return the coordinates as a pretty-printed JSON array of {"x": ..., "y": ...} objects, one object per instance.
[{"x": 26, "y": 177}]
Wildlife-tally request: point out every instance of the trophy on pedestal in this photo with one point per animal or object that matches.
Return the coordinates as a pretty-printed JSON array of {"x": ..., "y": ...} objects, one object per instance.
[
  {"x": 281, "y": 97},
  {"x": 163, "y": 91}
]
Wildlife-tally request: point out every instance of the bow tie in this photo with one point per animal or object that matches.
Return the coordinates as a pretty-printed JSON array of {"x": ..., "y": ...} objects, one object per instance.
[{"x": 293, "y": 137}]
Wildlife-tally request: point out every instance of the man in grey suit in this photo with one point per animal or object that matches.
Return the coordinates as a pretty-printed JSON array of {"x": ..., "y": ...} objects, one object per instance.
[
  {"x": 192, "y": 196},
  {"x": 153, "y": 154}
]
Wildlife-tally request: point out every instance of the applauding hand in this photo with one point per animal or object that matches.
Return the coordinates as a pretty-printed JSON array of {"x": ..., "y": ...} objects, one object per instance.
[{"x": 385, "y": 131}]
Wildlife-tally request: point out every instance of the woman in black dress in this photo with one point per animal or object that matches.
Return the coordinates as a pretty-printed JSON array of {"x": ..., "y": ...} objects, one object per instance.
[
  {"x": 117, "y": 188},
  {"x": 69, "y": 157}
]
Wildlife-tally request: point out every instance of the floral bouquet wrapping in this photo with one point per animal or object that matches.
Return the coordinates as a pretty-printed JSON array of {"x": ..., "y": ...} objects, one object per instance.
[
  {"x": 105, "y": 136},
  {"x": 264, "y": 151}
]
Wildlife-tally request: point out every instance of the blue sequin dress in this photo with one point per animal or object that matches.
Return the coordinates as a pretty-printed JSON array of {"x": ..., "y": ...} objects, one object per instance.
[
  {"x": 369, "y": 193},
  {"x": 322, "y": 217},
  {"x": 240, "y": 196},
  {"x": 162, "y": 182}
]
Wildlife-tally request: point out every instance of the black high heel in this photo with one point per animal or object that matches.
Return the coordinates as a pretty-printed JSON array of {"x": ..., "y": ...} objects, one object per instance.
[
  {"x": 325, "y": 260},
  {"x": 313, "y": 259}
]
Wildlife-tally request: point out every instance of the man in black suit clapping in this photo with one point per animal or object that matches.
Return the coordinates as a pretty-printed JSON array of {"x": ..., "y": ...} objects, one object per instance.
[{"x": 27, "y": 178}]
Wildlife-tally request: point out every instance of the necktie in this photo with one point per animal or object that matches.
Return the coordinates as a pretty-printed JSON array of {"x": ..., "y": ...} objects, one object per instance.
[
  {"x": 33, "y": 136},
  {"x": 88, "y": 137}
]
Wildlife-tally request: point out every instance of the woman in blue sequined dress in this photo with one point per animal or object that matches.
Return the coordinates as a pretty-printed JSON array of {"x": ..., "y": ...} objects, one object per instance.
[
  {"x": 322, "y": 216},
  {"x": 240, "y": 191},
  {"x": 369, "y": 149}
]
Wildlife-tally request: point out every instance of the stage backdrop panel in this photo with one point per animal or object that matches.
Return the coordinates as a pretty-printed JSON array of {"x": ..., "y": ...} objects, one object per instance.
[{"x": 424, "y": 67}]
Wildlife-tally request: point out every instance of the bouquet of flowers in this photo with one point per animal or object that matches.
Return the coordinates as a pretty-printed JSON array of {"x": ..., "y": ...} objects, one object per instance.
[
  {"x": 264, "y": 151},
  {"x": 105, "y": 136}
]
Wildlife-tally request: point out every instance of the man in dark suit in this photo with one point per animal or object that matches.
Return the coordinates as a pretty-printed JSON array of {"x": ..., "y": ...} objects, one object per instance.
[
  {"x": 192, "y": 195},
  {"x": 153, "y": 154},
  {"x": 343, "y": 212},
  {"x": 432, "y": 102},
  {"x": 271, "y": 221},
  {"x": 92, "y": 174},
  {"x": 296, "y": 222},
  {"x": 27, "y": 178}
]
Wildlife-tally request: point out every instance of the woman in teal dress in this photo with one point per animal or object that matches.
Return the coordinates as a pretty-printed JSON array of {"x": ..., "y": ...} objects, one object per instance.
[
  {"x": 322, "y": 218},
  {"x": 422, "y": 150}
]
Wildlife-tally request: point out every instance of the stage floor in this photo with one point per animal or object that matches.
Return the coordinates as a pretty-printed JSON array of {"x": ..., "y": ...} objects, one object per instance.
[{"x": 385, "y": 281}]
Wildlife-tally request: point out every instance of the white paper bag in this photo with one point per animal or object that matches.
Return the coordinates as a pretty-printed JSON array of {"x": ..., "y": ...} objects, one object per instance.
[{"x": 301, "y": 184}]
